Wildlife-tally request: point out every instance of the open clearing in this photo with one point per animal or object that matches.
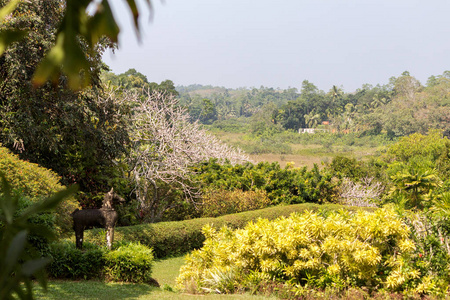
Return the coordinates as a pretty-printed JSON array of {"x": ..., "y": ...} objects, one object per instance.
[{"x": 302, "y": 154}]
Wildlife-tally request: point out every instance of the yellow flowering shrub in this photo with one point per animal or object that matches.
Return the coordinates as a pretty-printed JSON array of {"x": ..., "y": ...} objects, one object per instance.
[{"x": 342, "y": 249}]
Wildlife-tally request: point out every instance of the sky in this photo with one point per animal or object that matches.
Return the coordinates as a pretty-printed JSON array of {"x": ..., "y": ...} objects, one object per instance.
[{"x": 253, "y": 43}]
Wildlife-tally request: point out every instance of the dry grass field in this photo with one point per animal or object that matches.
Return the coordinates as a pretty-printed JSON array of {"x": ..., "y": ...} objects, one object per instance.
[{"x": 302, "y": 154}]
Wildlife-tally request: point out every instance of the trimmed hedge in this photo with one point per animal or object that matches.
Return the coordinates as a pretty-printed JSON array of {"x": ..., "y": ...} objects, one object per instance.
[
  {"x": 69, "y": 262},
  {"x": 177, "y": 238},
  {"x": 129, "y": 262}
]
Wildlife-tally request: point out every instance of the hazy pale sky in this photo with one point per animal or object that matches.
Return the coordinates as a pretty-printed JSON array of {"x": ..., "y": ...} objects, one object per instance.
[{"x": 249, "y": 43}]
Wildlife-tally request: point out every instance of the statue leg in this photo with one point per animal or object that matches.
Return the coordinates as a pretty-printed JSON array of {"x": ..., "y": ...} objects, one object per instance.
[
  {"x": 79, "y": 237},
  {"x": 109, "y": 237}
]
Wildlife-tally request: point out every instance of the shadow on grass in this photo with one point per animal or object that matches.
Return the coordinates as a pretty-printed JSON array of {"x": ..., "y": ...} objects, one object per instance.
[
  {"x": 68, "y": 290},
  {"x": 59, "y": 289}
]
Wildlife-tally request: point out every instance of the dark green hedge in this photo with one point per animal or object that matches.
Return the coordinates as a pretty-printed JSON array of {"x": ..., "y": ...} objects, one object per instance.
[{"x": 176, "y": 238}]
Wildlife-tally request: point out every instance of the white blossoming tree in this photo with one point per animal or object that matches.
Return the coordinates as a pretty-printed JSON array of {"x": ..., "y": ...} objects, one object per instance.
[{"x": 165, "y": 147}]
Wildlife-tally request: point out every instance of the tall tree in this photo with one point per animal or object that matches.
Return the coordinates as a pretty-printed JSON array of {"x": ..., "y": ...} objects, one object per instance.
[
  {"x": 76, "y": 133},
  {"x": 135, "y": 81}
]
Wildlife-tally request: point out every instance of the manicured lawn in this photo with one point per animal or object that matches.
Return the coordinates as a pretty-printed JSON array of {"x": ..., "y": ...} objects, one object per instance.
[{"x": 164, "y": 271}]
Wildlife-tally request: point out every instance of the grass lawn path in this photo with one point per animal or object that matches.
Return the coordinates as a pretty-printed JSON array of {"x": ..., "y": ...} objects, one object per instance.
[{"x": 164, "y": 271}]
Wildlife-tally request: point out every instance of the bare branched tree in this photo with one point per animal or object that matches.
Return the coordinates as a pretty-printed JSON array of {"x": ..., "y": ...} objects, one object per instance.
[
  {"x": 165, "y": 145},
  {"x": 365, "y": 193}
]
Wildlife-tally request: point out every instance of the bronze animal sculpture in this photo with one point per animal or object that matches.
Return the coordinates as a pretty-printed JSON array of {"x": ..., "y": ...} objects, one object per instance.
[{"x": 105, "y": 217}]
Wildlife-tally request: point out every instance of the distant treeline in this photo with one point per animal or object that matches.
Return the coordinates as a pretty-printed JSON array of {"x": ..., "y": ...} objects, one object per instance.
[{"x": 401, "y": 107}]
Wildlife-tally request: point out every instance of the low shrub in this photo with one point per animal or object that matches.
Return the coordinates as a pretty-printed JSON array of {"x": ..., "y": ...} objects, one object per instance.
[
  {"x": 342, "y": 250},
  {"x": 30, "y": 179},
  {"x": 130, "y": 263},
  {"x": 179, "y": 237},
  {"x": 69, "y": 262}
]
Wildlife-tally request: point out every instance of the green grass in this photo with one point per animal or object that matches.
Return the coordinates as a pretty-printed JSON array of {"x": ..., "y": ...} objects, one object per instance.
[{"x": 164, "y": 271}]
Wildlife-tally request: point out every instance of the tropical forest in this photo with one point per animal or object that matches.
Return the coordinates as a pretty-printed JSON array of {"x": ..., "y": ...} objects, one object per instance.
[{"x": 213, "y": 192}]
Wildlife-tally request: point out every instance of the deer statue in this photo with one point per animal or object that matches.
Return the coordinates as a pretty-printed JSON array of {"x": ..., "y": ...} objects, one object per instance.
[{"x": 105, "y": 217}]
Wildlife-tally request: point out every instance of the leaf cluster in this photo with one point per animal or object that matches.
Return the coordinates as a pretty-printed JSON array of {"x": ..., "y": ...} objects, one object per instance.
[
  {"x": 67, "y": 54},
  {"x": 75, "y": 133},
  {"x": 19, "y": 262}
]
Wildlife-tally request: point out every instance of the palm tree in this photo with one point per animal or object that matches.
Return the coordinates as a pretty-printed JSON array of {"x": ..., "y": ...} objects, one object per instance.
[
  {"x": 312, "y": 119},
  {"x": 416, "y": 185}
]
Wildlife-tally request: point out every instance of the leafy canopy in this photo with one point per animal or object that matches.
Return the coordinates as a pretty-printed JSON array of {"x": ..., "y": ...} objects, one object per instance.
[{"x": 67, "y": 54}]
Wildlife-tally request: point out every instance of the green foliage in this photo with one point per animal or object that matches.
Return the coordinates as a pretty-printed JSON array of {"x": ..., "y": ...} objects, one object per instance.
[
  {"x": 68, "y": 54},
  {"x": 135, "y": 81},
  {"x": 43, "y": 219},
  {"x": 20, "y": 262},
  {"x": 230, "y": 125},
  {"x": 358, "y": 170},
  {"x": 207, "y": 104},
  {"x": 427, "y": 147},
  {"x": 432, "y": 257},
  {"x": 341, "y": 250},
  {"x": 30, "y": 179},
  {"x": 179, "y": 237},
  {"x": 397, "y": 109},
  {"x": 77, "y": 134},
  {"x": 282, "y": 185},
  {"x": 130, "y": 263},
  {"x": 346, "y": 167},
  {"x": 417, "y": 167},
  {"x": 10, "y": 36},
  {"x": 35, "y": 183},
  {"x": 415, "y": 186},
  {"x": 68, "y": 262},
  {"x": 220, "y": 202}
]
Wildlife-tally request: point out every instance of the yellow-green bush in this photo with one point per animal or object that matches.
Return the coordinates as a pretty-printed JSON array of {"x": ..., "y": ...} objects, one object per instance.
[
  {"x": 35, "y": 183},
  {"x": 369, "y": 249},
  {"x": 221, "y": 202}
]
